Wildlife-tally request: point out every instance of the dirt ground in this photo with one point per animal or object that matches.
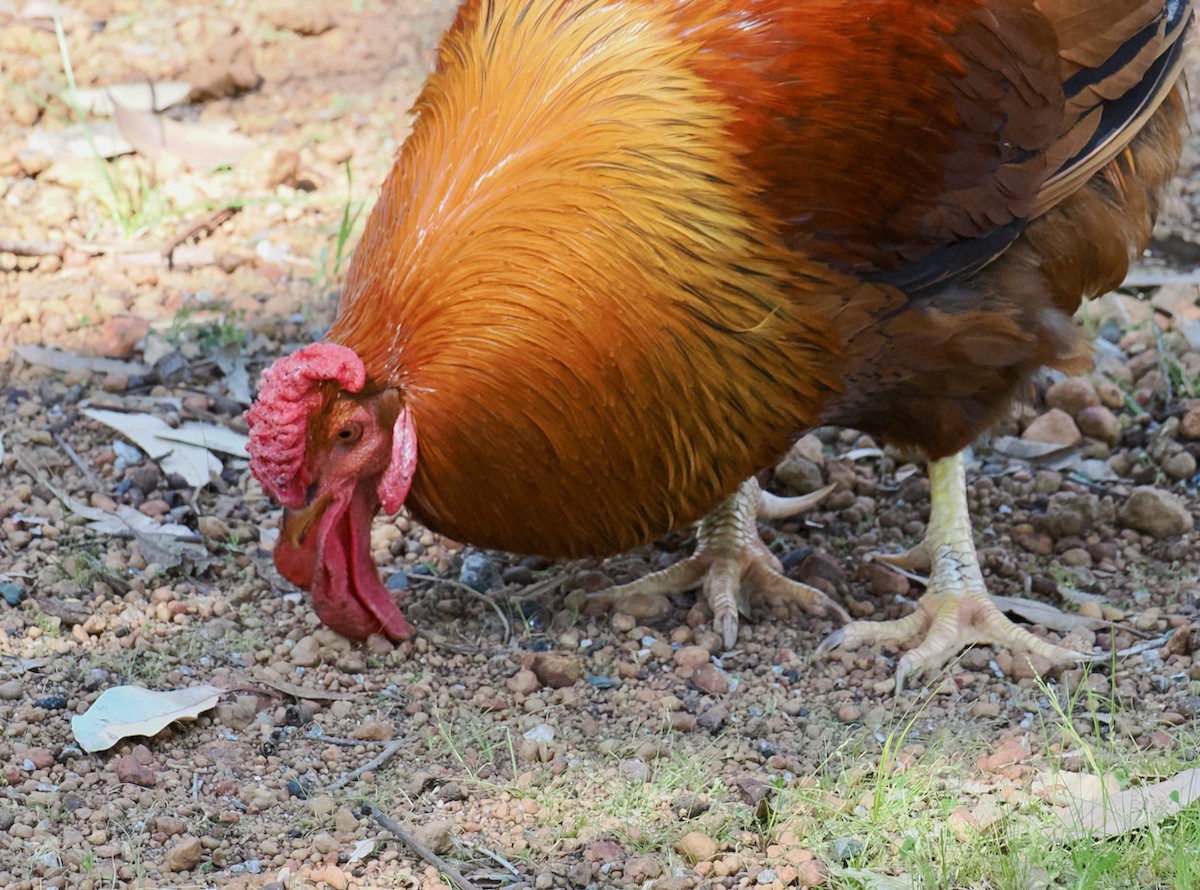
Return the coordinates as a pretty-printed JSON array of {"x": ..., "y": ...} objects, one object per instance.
[{"x": 528, "y": 744}]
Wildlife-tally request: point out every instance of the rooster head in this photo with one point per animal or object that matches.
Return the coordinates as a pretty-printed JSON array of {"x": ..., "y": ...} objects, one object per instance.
[{"x": 332, "y": 450}]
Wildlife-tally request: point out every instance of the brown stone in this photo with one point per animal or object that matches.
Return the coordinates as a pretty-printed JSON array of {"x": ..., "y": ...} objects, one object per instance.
[
  {"x": 1072, "y": 395},
  {"x": 437, "y": 835},
  {"x": 185, "y": 854},
  {"x": 692, "y": 656},
  {"x": 117, "y": 337},
  {"x": 224, "y": 65},
  {"x": 695, "y": 846},
  {"x": 1189, "y": 424},
  {"x": 308, "y": 19},
  {"x": 129, "y": 769},
  {"x": 639, "y": 869},
  {"x": 1155, "y": 512},
  {"x": 524, "y": 682},
  {"x": 555, "y": 670},
  {"x": 1100, "y": 423},
  {"x": 1179, "y": 465},
  {"x": 711, "y": 679},
  {"x": 798, "y": 473},
  {"x": 374, "y": 730},
  {"x": 1069, "y": 513},
  {"x": 1055, "y": 427},
  {"x": 884, "y": 582}
]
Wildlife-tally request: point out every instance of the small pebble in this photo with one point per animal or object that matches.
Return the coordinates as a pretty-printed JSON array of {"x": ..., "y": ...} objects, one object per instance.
[
  {"x": 10, "y": 690},
  {"x": 1055, "y": 427},
  {"x": 480, "y": 572},
  {"x": 846, "y": 848},
  {"x": 695, "y": 846},
  {"x": 1155, "y": 512},
  {"x": 711, "y": 679},
  {"x": 185, "y": 854}
]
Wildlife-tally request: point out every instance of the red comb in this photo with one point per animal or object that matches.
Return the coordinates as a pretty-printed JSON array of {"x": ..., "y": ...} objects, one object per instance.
[{"x": 279, "y": 419}]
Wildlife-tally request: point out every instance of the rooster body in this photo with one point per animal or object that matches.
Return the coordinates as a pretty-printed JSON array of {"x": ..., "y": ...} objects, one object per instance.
[{"x": 632, "y": 249}]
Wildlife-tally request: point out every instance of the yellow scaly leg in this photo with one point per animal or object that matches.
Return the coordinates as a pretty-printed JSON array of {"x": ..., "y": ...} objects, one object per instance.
[
  {"x": 956, "y": 610},
  {"x": 731, "y": 561}
]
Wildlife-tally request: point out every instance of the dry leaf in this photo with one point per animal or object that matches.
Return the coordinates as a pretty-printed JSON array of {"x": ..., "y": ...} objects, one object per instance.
[
  {"x": 304, "y": 692},
  {"x": 986, "y": 813},
  {"x": 232, "y": 362},
  {"x": 1191, "y": 331},
  {"x": 1045, "y": 614},
  {"x": 186, "y": 450},
  {"x": 871, "y": 880},
  {"x": 209, "y": 436},
  {"x": 1065, "y": 458},
  {"x": 1027, "y": 450},
  {"x": 58, "y": 360},
  {"x": 132, "y": 710},
  {"x": 165, "y": 543},
  {"x": 82, "y": 141},
  {"x": 143, "y": 97},
  {"x": 1063, "y": 788},
  {"x": 1120, "y": 813},
  {"x": 1012, "y": 750},
  {"x": 197, "y": 146}
]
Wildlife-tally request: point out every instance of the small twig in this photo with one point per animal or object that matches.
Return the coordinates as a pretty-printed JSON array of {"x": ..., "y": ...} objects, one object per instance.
[
  {"x": 207, "y": 224},
  {"x": 493, "y": 855},
  {"x": 375, "y": 762},
  {"x": 537, "y": 588},
  {"x": 1139, "y": 648},
  {"x": 345, "y": 743},
  {"x": 439, "y": 642},
  {"x": 419, "y": 848},
  {"x": 88, "y": 476},
  {"x": 29, "y": 468},
  {"x": 24, "y": 247},
  {"x": 466, "y": 588}
]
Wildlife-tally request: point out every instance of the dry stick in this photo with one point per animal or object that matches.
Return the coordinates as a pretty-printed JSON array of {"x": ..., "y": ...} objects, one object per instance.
[
  {"x": 207, "y": 224},
  {"x": 88, "y": 476},
  {"x": 491, "y": 854},
  {"x": 1138, "y": 648},
  {"x": 342, "y": 742},
  {"x": 375, "y": 762},
  {"x": 23, "y": 247},
  {"x": 537, "y": 588},
  {"x": 419, "y": 848},
  {"x": 466, "y": 588},
  {"x": 440, "y": 642}
]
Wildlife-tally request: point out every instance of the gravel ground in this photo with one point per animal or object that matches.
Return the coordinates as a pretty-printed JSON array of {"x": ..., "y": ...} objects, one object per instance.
[{"x": 527, "y": 741}]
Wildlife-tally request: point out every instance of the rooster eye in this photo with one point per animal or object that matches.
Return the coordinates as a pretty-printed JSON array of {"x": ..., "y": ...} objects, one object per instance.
[{"x": 349, "y": 434}]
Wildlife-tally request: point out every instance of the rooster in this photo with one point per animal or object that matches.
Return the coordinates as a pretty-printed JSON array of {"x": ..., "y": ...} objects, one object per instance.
[{"x": 632, "y": 249}]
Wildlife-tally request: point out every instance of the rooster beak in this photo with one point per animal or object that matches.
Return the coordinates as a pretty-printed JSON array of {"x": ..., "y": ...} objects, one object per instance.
[{"x": 297, "y": 523}]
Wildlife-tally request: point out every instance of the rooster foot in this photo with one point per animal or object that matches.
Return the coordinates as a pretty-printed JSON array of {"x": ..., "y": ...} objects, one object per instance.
[
  {"x": 956, "y": 610},
  {"x": 731, "y": 561}
]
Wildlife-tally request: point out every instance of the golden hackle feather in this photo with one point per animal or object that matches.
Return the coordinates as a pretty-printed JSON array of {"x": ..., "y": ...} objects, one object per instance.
[
  {"x": 633, "y": 247},
  {"x": 574, "y": 291}
]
